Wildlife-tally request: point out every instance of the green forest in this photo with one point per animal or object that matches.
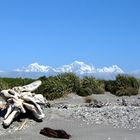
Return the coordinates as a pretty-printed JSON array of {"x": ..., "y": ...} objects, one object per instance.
[{"x": 54, "y": 87}]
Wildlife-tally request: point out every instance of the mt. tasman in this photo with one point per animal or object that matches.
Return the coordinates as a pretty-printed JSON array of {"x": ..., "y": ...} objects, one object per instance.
[
  {"x": 76, "y": 67},
  {"x": 80, "y": 68}
]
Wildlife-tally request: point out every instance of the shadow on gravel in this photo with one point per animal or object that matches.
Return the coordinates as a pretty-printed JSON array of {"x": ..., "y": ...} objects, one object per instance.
[{"x": 2, "y": 113}]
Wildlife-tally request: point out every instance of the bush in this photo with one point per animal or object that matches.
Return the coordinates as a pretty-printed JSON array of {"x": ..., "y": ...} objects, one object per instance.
[
  {"x": 89, "y": 82},
  {"x": 6, "y": 83},
  {"x": 89, "y": 85},
  {"x": 3, "y": 85},
  {"x": 111, "y": 86},
  {"x": 99, "y": 90},
  {"x": 53, "y": 95},
  {"x": 59, "y": 85},
  {"x": 126, "y": 86},
  {"x": 126, "y": 81},
  {"x": 71, "y": 81},
  {"x": 12, "y": 82},
  {"x": 123, "y": 86},
  {"x": 84, "y": 91},
  {"x": 129, "y": 91}
]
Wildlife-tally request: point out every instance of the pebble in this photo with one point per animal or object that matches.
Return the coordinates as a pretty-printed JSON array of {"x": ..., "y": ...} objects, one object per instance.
[{"x": 117, "y": 116}]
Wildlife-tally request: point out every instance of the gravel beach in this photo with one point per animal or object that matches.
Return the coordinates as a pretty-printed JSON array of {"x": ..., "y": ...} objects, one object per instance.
[{"x": 113, "y": 121}]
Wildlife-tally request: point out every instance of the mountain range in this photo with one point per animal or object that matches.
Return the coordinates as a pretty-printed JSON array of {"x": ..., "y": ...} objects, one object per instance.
[{"x": 79, "y": 68}]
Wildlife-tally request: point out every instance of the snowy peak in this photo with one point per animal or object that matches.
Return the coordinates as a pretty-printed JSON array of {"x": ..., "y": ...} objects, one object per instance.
[
  {"x": 35, "y": 67},
  {"x": 82, "y": 68},
  {"x": 77, "y": 67},
  {"x": 111, "y": 69}
]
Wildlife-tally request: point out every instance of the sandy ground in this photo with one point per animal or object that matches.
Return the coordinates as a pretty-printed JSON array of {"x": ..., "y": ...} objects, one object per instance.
[{"x": 77, "y": 128}]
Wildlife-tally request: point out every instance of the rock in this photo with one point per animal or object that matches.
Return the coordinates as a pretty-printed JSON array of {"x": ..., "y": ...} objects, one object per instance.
[
  {"x": 49, "y": 132},
  {"x": 65, "y": 107},
  {"x": 96, "y": 104},
  {"x": 135, "y": 104},
  {"x": 124, "y": 102},
  {"x": 48, "y": 105},
  {"x": 60, "y": 105}
]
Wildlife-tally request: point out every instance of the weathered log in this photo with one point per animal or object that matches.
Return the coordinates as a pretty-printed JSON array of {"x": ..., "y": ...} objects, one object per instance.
[{"x": 19, "y": 99}]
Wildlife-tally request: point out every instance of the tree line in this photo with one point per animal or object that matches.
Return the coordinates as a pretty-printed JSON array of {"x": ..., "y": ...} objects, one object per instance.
[{"x": 54, "y": 87}]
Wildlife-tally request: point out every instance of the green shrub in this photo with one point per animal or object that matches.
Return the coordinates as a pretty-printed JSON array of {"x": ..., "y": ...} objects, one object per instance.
[
  {"x": 12, "y": 82},
  {"x": 111, "y": 86},
  {"x": 59, "y": 85},
  {"x": 6, "y": 83},
  {"x": 3, "y": 85},
  {"x": 53, "y": 95},
  {"x": 123, "y": 86},
  {"x": 71, "y": 81},
  {"x": 89, "y": 82},
  {"x": 99, "y": 90},
  {"x": 126, "y": 81},
  {"x": 89, "y": 85},
  {"x": 126, "y": 86},
  {"x": 54, "y": 87},
  {"x": 84, "y": 91},
  {"x": 129, "y": 91}
]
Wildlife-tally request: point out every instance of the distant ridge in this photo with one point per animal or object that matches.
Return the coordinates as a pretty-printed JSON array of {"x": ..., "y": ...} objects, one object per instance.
[
  {"x": 75, "y": 67},
  {"x": 36, "y": 70},
  {"x": 81, "y": 69}
]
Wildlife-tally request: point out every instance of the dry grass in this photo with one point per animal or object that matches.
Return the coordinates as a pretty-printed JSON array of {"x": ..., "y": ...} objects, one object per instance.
[{"x": 88, "y": 99}]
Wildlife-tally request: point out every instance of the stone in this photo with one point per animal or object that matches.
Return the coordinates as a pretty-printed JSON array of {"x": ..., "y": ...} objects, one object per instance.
[{"x": 96, "y": 104}]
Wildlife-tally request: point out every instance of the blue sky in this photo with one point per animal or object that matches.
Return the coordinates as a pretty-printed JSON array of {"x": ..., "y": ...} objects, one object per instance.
[{"x": 57, "y": 32}]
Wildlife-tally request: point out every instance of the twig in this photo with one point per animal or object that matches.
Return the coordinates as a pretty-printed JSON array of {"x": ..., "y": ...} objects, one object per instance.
[{"x": 22, "y": 125}]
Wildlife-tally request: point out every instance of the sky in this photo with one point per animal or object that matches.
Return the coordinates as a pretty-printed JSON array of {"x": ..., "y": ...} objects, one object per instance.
[{"x": 58, "y": 32}]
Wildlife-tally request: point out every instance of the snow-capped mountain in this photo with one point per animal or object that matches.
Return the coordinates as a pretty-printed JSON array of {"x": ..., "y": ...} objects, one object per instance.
[
  {"x": 77, "y": 67},
  {"x": 35, "y": 67},
  {"x": 111, "y": 69}
]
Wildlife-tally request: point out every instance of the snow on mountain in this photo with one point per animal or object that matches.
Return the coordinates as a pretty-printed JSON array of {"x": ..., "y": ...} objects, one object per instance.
[
  {"x": 77, "y": 67},
  {"x": 35, "y": 67},
  {"x": 111, "y": 69}
]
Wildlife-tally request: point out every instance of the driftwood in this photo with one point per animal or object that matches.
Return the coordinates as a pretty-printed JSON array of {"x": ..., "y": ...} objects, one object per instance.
[
  {"x": 19, "y": 99},
  {"x": 3, "y": 106},
  {"x": 22, "y": 125},
  {"x": 55, "y": 133}
]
